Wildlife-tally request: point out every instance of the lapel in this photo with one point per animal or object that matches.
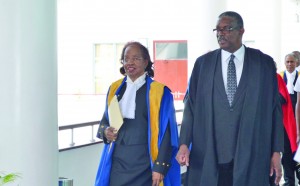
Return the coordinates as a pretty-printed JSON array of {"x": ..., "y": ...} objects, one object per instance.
[
  {"x": 253, "y": 63},
  {"x": 254, "y": 70},
  {"x": 219, "y": 87}
]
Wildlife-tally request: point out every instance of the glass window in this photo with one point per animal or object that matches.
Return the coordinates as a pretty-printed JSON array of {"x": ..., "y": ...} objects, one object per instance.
[
  {"x": 107, "y": 65},
  {"x": 171, "y": 51},
  {"x": 84, "y": 107}
]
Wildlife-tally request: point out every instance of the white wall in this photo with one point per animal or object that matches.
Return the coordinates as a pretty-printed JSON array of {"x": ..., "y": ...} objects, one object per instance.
[
  {"x": 80, "y": 164},
  {"x": 290, "y": 28},
  {"x": 270, "y": 26},
  {"x": 81, "y": 23}
]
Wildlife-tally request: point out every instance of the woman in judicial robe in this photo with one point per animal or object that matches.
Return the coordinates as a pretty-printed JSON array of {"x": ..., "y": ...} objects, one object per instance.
[{"x": 142, "y": 152}]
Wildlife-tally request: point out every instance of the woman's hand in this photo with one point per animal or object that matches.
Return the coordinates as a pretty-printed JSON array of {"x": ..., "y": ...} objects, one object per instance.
[
  {"x": 157, "y": 178},
  {"x": 111, "y": 133}
]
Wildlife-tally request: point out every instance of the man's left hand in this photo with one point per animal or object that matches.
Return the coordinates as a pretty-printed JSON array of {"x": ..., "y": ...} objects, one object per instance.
[{"x": 276, "y": 167}]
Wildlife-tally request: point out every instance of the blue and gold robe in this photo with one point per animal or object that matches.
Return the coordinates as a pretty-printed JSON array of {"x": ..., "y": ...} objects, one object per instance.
[{"x": 161, "y": 117}]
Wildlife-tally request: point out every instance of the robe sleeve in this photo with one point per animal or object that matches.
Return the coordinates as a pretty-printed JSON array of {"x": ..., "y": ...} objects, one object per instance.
[
  {"x": 188, "y": 112},
  {"x": 277, "y": 130},
  {"x": 162, "y": 163},
  {"x": 103, "y": 125},
  {"x": 187, "y": 122}
]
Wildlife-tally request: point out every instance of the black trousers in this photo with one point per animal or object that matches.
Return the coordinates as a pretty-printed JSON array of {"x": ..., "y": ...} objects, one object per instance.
[
  {"x": 288, "y": 163},
  {"x": 225, "y": 174}
]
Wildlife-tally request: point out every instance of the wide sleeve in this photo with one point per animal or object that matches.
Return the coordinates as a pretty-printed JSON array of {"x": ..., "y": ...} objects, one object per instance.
[
  {"x": 165, "y": 162},
  {"x": 162, "y": 163},
  {"x": 188, "y": 112},
  {"x": 187, "y": 122},
  {"x": 103, "y": 125},
  {"x": 277, "y": 130}
]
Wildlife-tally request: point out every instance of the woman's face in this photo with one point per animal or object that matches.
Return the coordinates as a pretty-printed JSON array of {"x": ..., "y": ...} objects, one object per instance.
[{"x": 134, "y": 63}]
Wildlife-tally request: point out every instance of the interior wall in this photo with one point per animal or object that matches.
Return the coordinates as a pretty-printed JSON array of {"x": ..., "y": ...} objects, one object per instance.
[{"x": 80, "y": 164}]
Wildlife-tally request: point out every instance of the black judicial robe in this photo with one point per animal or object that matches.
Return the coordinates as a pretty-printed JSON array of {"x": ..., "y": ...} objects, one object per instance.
[{"x": 260, "y": 130}]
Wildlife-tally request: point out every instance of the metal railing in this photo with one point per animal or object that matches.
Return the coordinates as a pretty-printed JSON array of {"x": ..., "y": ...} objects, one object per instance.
[
  {"x": 72, "y": 127},
  {"x": 92, "y": 141}
]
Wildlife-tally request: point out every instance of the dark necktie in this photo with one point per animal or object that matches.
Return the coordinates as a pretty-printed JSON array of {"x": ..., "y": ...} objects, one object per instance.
[{"x": 231, "y": 80}]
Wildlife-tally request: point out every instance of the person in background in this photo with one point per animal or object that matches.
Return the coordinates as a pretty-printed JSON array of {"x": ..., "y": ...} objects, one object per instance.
[
  {"x": 232, "y": 130},
  {"x": 297, "y": 115},
  {"x": 297, "y": 55},
  {"x": 142, "y": 152},
  {"x": 290, "y": 76},
  {"x": 290, "y": 140}
]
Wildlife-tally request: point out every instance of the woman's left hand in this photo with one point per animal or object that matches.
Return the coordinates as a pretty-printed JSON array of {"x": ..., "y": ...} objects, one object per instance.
[{"x": 157, "y": 178}]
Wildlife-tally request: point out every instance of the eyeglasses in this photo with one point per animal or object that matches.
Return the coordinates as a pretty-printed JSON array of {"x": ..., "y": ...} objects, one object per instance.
[
  {"x": 134, "y": 59},
  {"x": 225, "y": 30}
]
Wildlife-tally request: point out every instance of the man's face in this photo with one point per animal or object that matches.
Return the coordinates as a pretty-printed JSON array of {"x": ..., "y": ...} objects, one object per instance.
[
  {"x": 297, "y": 53},
  {"x": 290, "y": 63},
  {"x": 228, "y": 34}
]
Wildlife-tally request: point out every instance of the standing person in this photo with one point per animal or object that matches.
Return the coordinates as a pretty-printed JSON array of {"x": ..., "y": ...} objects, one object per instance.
[
  {"x": 290, "y": 137},
  {"x": 297, "y": 54},
  {"x": 232, "y": 130},
  {"x": 290, "y": 76},
  {"x": 297, "y": 115},
  {"x": 143, "y": 150}
]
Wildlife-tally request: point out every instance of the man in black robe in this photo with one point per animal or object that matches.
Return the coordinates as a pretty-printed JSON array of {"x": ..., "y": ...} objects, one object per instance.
[{"x": 233, "y": 141}]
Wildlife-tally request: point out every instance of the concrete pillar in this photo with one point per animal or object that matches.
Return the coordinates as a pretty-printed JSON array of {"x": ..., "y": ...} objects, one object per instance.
[
  {"x": 205, "y": 16},
  {"x": 262, "y": 25},
  {"x": 28, "y": 95}
]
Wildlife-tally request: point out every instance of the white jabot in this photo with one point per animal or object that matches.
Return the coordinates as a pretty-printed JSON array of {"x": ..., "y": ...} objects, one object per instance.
[
  {"x": 127, "y": 103},
  {"x": 238, "y": 61},
  {"x": 290, "y": 80}
]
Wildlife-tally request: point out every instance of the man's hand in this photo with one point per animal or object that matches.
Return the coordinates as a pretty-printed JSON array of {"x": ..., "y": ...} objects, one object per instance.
[
  {"x": 111, "y": 133},
  {"x": 157, "y": 178},
  {"x": 183, "y": 155},
  {"x": 276, "y": 167}
]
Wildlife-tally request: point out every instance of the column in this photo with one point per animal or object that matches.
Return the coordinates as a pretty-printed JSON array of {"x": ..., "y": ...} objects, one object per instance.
[
  {"x": 205, "y": 19},
  {"x": 28, "y": 96}
]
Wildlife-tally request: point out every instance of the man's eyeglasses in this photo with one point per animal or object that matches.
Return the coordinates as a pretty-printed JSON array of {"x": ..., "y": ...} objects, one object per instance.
[
  {"x": 134, "y": 59},
  {"x": 225, "y": 30}
]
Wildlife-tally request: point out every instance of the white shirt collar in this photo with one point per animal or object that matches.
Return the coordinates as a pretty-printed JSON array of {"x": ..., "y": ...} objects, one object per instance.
[
  {"x": 291, "y": 74},
  {"x": 239, "y": 54},
  {"x": 139, "y": 80}
]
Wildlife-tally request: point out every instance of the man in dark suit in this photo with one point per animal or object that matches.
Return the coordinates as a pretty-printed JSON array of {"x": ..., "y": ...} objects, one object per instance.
[{"x": 232, "y": 130}]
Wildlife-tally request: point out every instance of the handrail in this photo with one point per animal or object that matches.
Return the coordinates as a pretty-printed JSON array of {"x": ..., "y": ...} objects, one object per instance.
[
  {"x": 79, "y": 125},
  {"x": 86, "y": 124}
]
